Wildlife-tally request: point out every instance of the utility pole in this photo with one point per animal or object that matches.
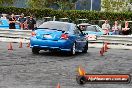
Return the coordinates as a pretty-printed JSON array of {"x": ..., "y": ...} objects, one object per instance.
[{"x": 91, "y": 8}]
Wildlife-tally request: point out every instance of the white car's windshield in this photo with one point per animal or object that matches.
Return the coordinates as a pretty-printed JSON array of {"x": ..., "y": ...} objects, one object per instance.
[
  {"x": 90, "y": 28},
  {"x": 93, "y": 28},
  {"x": 55, "y": 25}
]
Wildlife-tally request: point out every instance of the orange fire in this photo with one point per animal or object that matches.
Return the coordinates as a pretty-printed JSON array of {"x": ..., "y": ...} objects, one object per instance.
[{"x": 81, "y": 71}]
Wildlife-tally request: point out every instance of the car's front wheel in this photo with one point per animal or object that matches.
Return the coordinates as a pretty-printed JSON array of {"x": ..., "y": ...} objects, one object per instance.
[
  {"x": 35, "y": 50},
  {"x": 73, "y": 49}
]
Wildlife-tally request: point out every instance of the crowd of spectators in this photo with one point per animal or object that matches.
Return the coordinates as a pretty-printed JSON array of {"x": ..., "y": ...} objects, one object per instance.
[
  {"x": 116, "y": 28},
  {"x": 25, "y": 23},
  {"x": 29, "y": 23}
]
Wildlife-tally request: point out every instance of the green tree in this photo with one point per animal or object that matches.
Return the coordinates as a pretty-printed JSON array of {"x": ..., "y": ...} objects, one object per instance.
[
  {"x": 106, "y": 5},
  {"x": 130, "y": 5},
  {"x": 46, "y": 3},
  {"x": 118, "y": 5},
  {"x": 7, "y": 2},
  {"x": 114, "y": 5},
  {"x": 37, "y": 4},
  {"x": 130, "y": 1}
]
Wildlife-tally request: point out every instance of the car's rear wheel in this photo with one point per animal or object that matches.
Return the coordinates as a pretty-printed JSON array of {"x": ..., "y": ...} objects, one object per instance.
[
  {"x": 35, "y": 50},
  {"x": 73, "y": 49},
  {"x": 85, "y": 50}
]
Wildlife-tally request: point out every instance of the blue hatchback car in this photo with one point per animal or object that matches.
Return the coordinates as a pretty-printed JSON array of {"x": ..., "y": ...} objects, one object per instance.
[{"x": 58, "y": 36}]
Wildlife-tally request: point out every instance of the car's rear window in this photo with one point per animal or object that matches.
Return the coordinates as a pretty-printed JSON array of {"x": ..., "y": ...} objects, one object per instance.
[{"x": 55, "y": 25}]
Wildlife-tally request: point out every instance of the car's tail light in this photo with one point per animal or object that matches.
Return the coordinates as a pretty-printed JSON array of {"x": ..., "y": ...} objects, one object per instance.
[
  {"x": 33, "y": 33},
  {"x": 64, "y": 36}
]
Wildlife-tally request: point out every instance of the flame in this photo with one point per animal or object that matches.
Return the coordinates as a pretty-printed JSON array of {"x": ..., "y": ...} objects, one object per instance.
[{"x": 81, "y": 71}]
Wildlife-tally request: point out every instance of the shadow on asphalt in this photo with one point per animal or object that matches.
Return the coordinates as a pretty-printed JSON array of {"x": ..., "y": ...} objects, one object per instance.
[{"x": 61, "y": 54}]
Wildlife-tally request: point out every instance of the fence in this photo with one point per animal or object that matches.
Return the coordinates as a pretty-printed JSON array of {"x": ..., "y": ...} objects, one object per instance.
[
  {"x": 13, "y": 35},
  {"x": 115, "y": 39}
]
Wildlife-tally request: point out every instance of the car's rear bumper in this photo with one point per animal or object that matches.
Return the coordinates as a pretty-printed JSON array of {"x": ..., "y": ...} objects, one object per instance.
[{"x": 64, "y": 45}]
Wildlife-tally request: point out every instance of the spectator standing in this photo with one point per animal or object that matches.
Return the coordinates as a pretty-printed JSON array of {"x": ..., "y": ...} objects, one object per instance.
[
  {"x": 12, "y": 21},
  {"x": 31, "y": 23},
  {"x": 22, "y": 20},
  {"x": 106, "y": 27},
  {"x": 116, "y": 28}
]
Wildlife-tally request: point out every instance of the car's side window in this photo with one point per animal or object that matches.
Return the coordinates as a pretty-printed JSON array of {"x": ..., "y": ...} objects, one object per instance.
[{"x": 96, "y": 30}]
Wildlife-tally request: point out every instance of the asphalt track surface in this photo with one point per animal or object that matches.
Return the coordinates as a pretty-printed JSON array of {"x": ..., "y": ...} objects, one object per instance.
[{"x": 21, "y": 69}]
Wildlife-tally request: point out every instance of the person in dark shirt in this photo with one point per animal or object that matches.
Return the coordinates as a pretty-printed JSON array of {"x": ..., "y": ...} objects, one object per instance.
[
  {"x": 12, "y": 21},
  {"x": 126, "y": 30},
  {"x": 31, "y": 23},
  {"x": 22, "y": 21}
]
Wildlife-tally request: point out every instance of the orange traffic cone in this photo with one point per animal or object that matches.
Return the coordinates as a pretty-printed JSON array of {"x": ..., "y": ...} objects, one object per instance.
[
  {"x": 10, "y": 46},
  {"x": 106, "y": 47},
  {"x": 20, "y": 46},
  {"x": 58, "y": 86},
  {"x": 102, "y": 51},
  {"x": 28, "y": 45}
]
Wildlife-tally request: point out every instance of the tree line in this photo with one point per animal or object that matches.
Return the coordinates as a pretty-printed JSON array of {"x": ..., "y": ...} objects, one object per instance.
[
  {"x": 106, "y": 5},
  {"x": 116, "y": 5},
  {"x": 42, "y": 4}
]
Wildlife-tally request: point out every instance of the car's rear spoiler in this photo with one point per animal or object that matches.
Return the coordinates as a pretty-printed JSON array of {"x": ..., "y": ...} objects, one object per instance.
[{"x": 50, "y": 29}]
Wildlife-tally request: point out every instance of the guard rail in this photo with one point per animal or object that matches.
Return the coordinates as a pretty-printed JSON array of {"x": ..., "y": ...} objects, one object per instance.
[
  {"x": 115, "y": 39},
  {"x": 7, "y": 34},
  {"x": 15, "y": 33}
]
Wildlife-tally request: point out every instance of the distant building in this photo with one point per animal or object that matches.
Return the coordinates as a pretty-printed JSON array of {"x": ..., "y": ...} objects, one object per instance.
[
  {"x": 20, "y": 3},
  {"x": 86, "y": 5}
]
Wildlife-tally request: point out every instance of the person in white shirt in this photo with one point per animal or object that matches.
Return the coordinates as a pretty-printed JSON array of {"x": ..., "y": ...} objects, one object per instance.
[{"x": 106, "y": 27}]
